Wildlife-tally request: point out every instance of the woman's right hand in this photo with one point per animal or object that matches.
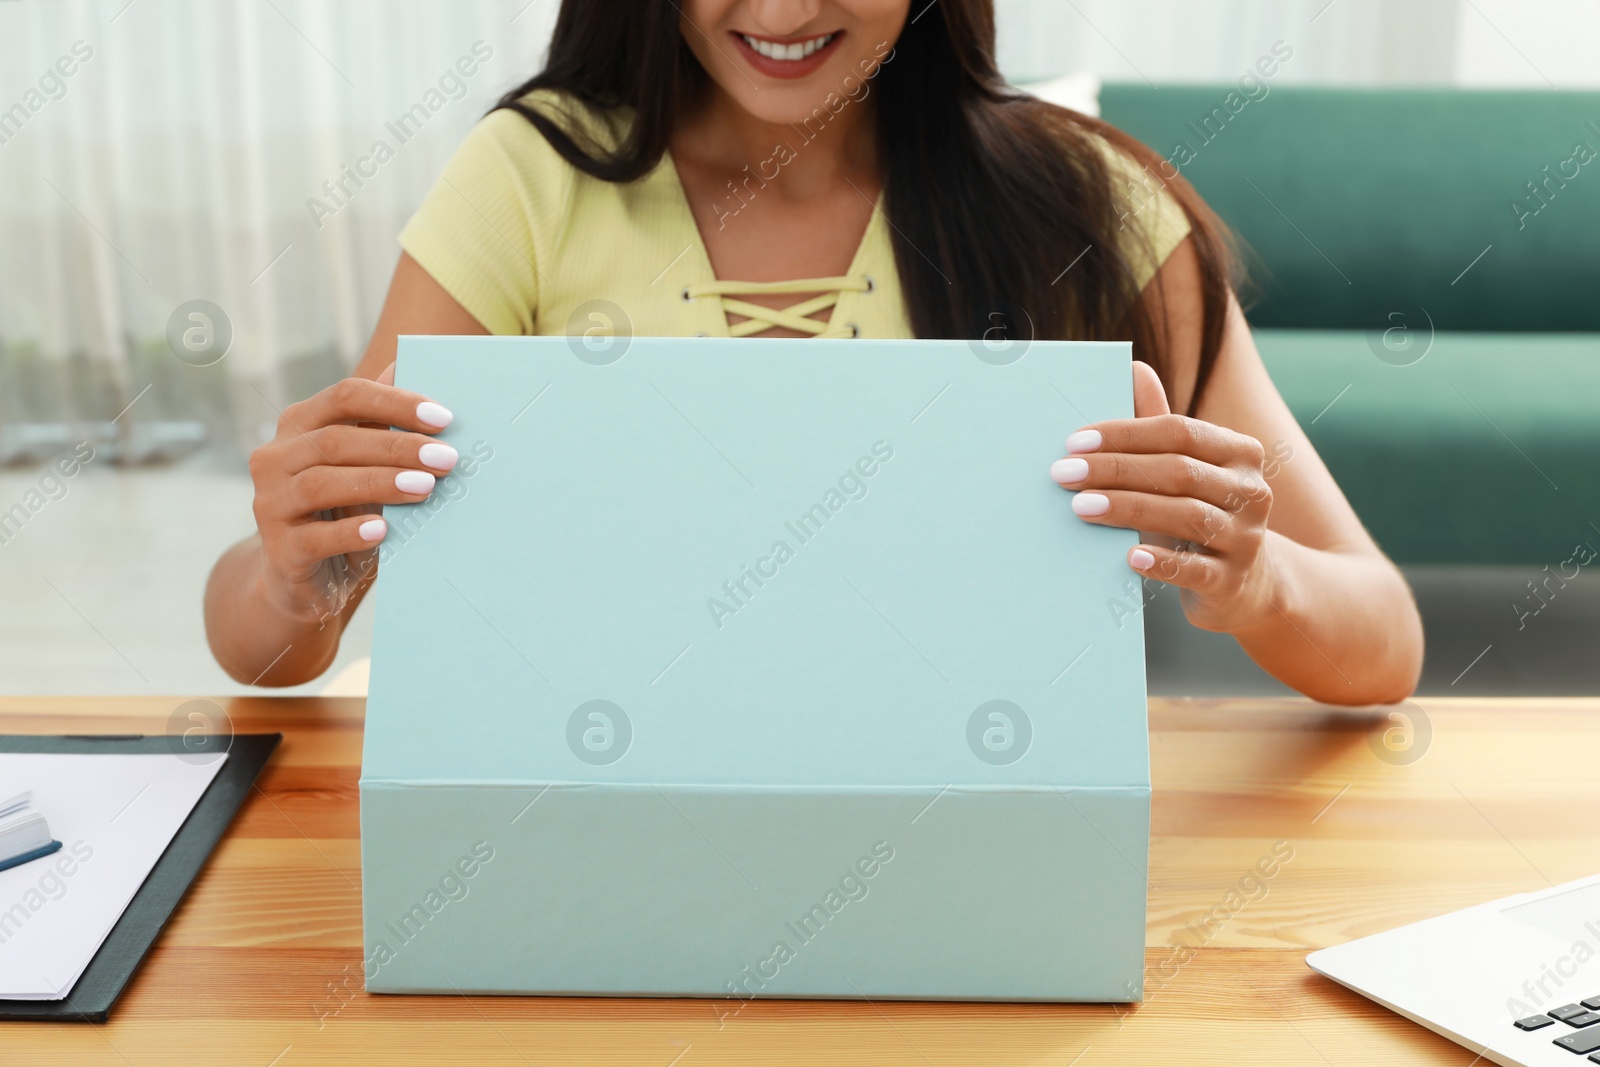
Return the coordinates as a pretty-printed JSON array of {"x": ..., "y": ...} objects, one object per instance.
[{"x": 322, "y": 480}]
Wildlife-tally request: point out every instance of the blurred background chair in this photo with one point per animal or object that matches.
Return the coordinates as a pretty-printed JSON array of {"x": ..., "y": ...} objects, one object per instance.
[{"x": 1427, "y": 264}]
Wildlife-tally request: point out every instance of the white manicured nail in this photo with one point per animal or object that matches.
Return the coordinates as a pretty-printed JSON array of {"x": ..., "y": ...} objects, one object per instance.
[
  {"x": 1141, "y": 560},
  {"x": 1067, "y": 471},
  {"x": 1084, "y": 441},
  {"x": 417, "y": 483},
  {"x": 441, "y": 457},
  {"x": 433, "y": 414},
  {"x": 1091, "y": 504},
  {"x": 373, "y": 530}
]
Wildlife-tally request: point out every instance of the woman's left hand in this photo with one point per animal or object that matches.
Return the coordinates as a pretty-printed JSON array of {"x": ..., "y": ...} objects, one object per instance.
[{"x": 1200, "y": 488}]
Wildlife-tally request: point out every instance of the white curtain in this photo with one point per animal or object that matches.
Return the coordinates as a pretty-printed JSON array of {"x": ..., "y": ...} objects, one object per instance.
[
  {"x": 1539, "y": 44},
  {"x": 219, "y": 151},
  {"x": 156, "y": 152},
  {"x": 1161, "y": 41}
]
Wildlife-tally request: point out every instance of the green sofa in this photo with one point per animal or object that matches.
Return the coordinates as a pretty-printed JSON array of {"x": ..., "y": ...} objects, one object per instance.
[{"x": 1440, "y": 346}]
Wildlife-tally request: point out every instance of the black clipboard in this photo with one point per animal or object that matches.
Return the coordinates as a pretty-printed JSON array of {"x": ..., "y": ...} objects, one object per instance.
[{"x": 152, "y": 906}]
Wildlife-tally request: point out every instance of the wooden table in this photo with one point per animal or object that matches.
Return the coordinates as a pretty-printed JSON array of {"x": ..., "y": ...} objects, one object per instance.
[{"x": 261, "y": 965}]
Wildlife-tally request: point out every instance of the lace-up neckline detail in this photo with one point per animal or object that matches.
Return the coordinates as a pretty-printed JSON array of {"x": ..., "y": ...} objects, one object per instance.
[{"x": 796, "y": 316}]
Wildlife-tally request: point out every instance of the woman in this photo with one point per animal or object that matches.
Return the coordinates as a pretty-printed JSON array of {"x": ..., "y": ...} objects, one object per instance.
[{"x": 835, "y": 168}]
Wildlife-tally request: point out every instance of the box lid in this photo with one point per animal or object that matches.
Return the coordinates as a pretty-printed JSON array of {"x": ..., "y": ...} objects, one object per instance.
[{"x": 771, "y": 563}]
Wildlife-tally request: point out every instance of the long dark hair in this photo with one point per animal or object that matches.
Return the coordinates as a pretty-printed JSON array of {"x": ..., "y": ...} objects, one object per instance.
[{"x": 991, "y": 193}]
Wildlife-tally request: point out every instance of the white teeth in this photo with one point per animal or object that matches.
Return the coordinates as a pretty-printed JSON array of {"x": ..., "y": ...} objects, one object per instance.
[{"x": 788, "y": 52}]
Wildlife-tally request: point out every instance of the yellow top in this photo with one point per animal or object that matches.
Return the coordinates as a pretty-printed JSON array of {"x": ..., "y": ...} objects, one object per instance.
[{"x": 528, "y": 244}]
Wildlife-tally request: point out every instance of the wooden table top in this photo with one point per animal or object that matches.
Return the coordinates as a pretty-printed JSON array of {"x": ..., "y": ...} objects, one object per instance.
[{"x": 254, "y": 967}]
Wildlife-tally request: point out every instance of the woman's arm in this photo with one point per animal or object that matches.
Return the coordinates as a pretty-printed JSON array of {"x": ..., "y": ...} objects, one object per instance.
[
  {"x": 1244, "y": 518},
  {"x": 277, "y": 602}
]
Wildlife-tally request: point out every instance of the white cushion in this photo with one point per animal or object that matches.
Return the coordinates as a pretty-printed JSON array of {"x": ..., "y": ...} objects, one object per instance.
[{"x": 1079, "y": 91}]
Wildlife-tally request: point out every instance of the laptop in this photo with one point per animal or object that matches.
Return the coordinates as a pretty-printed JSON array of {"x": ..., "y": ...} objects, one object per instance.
[{"x": 1515, "y": 980}]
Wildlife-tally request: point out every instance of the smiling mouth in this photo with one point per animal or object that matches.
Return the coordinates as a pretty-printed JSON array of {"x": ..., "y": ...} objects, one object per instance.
[{"x": 788, "y": 52}]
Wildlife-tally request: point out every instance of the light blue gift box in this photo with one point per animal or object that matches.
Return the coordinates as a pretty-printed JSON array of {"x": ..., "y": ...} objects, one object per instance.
[{"x": 737, "y": 668}]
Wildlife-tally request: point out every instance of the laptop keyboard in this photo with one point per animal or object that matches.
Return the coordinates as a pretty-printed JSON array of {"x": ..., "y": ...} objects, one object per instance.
[{"x": 1581, "y": 1016}]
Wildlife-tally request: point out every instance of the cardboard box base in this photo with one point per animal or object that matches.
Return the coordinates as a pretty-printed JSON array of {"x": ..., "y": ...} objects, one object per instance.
[{"x": 736, "y": 892}]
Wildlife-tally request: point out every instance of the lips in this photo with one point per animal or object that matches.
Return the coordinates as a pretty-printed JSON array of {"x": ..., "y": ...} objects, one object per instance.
[{"x": 786, "y": 57}]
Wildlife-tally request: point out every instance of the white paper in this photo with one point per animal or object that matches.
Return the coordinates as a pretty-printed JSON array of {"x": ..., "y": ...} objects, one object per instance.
[{"x": 114, "y": 815}]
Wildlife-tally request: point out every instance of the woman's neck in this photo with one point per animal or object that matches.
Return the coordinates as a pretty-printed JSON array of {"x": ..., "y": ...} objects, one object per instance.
[{"x": 802, "y": 159}]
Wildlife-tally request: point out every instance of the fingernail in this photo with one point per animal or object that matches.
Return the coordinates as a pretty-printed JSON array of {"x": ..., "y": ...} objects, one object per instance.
[
  {"x": 441, "y": 457},
  {"x": 1091, "y": 504},
  {"x": 373, "y": 530},
  {"x": 433, "y": 414},
  {"x": 1069, "y": 470},
  {"x": 417, "y": 483},
  {"x": 1141, "y": 560},
  {"x": 1084, "y": 441}
]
